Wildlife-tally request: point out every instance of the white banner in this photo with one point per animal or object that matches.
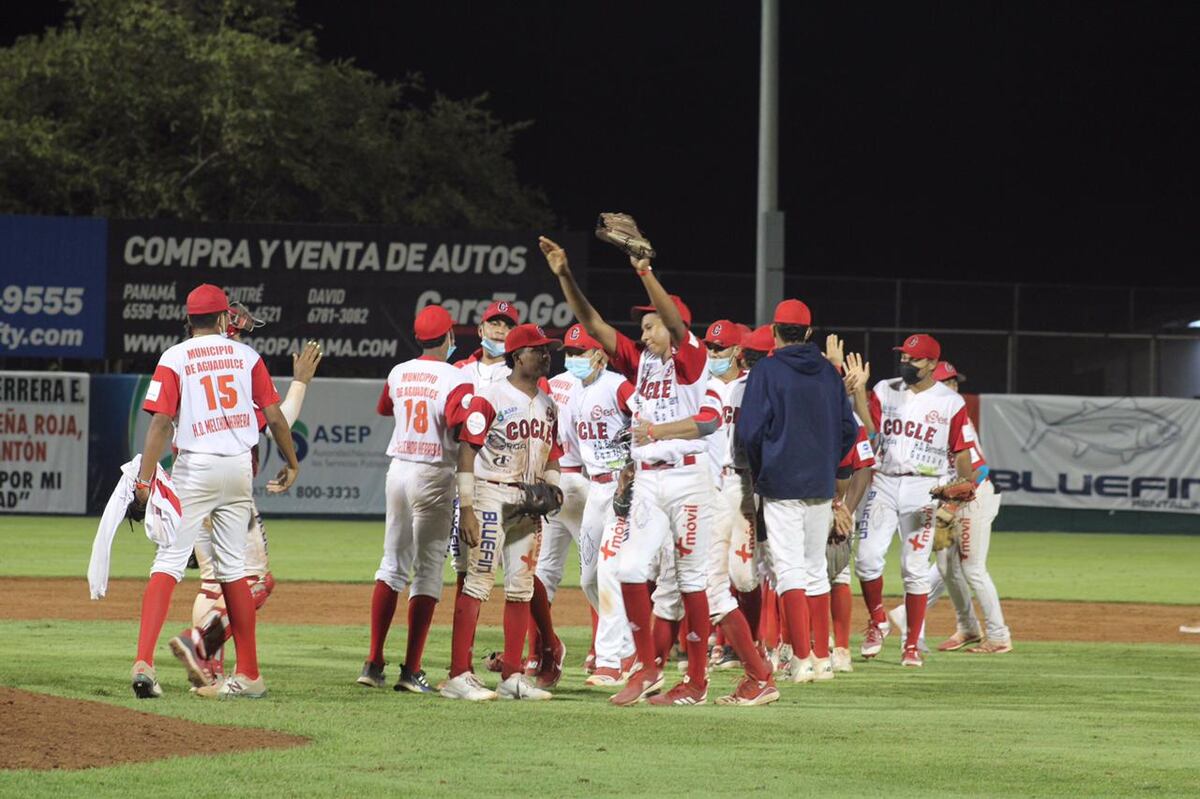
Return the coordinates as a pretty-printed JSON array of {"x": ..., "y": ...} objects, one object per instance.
[
  {"x": 341, "y": 442},
  {"x": 1131, "y": 453},
  {"x": 43, "y": 442}
]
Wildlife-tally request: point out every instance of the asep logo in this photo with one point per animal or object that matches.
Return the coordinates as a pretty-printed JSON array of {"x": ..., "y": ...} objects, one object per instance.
[{"x": 299, "y": 441}]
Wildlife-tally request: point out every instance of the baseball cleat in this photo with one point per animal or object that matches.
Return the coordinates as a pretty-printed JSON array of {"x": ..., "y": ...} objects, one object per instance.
[
  {"x": 641, "y": 684},
  {"x": 413, "y": 681},
  {"x": 551, "y": 665},
  {"x": 605, "y": 676},
  {"x": 518, "y": 686},
  {"x": 628, "y": 666},
  {"x": 467, "y": 686},
  {"x": 145, "y": 681},
  {"x": 840, "y": 658},
  {"x": 492, "y": 662},
  {"x": 531, "y": 666},
  {"x": 958, "y": 641},
  {"x": 1190, "y": 629},
  {"x": 189, "y": 651},
  {"x": 589, "y": 663},
  {"x": 682, "y": 694},
  {"x": 822, "y": 669},
  {"x": 912, "y": 657},
  {"x": 785, "y": 656},
  {"x": 751, "y": 692},
  {"x": 898, "y": 618},
  {"x": 682, "y": 663},
  {"x": 372, "y": 676},
  {"x": 872, "y": 643},
  {"x": 992, "y": 648},
  {"x": 801, "y": 669},
  {"x": 239, "y": 686},
  {"x": 725, "y": 658}
]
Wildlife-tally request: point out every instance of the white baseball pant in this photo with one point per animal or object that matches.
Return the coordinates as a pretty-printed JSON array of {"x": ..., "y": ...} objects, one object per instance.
[
  {"x": 257, "y": 565},
  {"x": 601, "y": 537},
  {"x": 560, "y": 530},
  {"x": 417, "y": 526},
  {"x": 214, "y": 488},
  {"x": 798, "y": 530},
  {"x": 683, "y": 494},
  {"x": 963, "y": 567},
  {"x": 513, "y": 539},
  {"x": 897, "y": 504}
]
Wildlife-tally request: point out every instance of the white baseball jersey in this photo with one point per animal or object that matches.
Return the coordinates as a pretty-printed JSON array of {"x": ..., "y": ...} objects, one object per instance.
[
  {"x": 561, "y": 388},
  {"x": 517, "y": 435},
  {"x": 860, "y": 456},
  {"x": 728, "y": 402},
  {"x": 483, "y": 374},
  {"x": 211, "y": 385},
  {"x": 595, "y": 417},
  {"x": 428, "y": 399},
  {"x": 918, "y": 432},
  {"x": 667, "y": 391}
]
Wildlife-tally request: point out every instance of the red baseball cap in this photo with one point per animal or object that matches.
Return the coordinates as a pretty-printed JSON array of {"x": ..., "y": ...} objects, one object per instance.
[
  {"x": 432, "y": 322},
  {"x": 792, "y": 312},
  {"x": 745, "y": 329},
  {"x": 576, "y": 338},
  {"x": 946, "y": 371},
  {"x": 723, "y": 333},
  {"x": 761, "y": 340},
  {"x": 501, "y": 308},
  {"x": 641, "y": 310},
  {"x": 528, "y": 336},
  {"x": 206, "y": 298},
  {"x": 920, "y": 345}
]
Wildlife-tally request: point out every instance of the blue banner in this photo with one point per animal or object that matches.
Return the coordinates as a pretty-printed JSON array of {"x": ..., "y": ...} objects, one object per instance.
[{"x": 53, "y": 276}]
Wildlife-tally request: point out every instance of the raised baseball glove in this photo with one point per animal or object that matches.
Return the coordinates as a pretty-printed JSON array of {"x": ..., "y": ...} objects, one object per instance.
[
  {"x": 951, "y": 497},
  {"x": 621, "y": 231},
  {"x": 540, "y": 499}
]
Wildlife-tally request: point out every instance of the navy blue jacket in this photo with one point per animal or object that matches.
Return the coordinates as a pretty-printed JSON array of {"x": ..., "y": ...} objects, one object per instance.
[{"x": 795, "y": 424}]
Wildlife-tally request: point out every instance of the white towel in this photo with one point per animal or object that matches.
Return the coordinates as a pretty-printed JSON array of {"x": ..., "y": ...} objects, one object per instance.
[{"x": 163, "y": 516}]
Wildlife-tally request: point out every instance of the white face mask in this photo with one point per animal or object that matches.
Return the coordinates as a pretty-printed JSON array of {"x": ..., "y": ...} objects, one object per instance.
[{"x": 493, "y": 348}]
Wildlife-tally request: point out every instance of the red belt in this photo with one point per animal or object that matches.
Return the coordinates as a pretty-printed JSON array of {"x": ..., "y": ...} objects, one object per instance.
[
  {"x": 733, "y": 470},
  {"x": 604, "y": 477},
  {"x": 498, "y": 483},
  {"x": 688, "y": 460},
  {"x": 571, "y": 469}
]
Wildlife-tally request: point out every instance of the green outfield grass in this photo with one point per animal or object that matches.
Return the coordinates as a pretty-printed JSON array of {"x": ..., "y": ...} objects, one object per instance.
[
  {"x": 1073, "y": 566},
  {"x": 1053, "y": 719}
]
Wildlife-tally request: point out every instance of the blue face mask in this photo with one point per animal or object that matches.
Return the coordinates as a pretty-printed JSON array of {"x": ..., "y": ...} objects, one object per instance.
[
  {"x": 719, "y": 366},
  {"x": 450, "y": 350},
  {"x": 579, "y": 365},
  {"x": 493, "y": 348}
]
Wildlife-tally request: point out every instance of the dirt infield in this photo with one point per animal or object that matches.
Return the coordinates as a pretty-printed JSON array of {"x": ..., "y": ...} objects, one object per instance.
[
  {"x": 44, "y": 733},
  {"x": 343, "y": 603}
]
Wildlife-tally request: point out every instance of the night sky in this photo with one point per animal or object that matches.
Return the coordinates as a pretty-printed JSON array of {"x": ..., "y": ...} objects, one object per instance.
[{"x": 989, "y": 141}]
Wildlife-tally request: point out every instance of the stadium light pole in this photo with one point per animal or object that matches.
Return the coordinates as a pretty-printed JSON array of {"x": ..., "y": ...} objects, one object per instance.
[{"x": 768, "y": 284}]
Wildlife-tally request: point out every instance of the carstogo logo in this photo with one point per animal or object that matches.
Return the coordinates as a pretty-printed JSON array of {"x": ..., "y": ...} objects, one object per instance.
[{"x": 686, "y": 544}]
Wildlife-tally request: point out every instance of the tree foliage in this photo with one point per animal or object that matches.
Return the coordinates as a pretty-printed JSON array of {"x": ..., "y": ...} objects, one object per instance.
[{"x": 222, "y": 110}]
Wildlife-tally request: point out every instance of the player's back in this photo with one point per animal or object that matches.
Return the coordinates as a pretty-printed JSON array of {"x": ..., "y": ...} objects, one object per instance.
[{"x": 426, "y": 396}]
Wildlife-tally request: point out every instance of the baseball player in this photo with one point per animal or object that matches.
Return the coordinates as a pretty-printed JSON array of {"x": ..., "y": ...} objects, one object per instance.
[
  {"x": 670, "y": 375},
  {"x": 200, "y": 648},
  {"x": 854, "y": 478},
  {"x": 428, "y": 399},
  {"x": 923, "y": 428},
  {"x": 962, "y": 567},
  {"x": 796, "y": 427},
  {"x": 511, "y": 432},
  {"x": 210, "y": 387}
]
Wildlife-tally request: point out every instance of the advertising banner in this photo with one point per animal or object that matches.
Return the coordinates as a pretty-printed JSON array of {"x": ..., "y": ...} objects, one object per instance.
[
  {"x": 43, "y": 442},
  {"x": 354, "y": 288},
  {"x": 1131, "y": 453},
  {"x": 52, "y": 287}
]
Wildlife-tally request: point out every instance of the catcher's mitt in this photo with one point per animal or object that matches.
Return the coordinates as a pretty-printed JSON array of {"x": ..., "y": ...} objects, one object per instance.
[
  {"x": 951, "y": 497},
  {"x": 837, "y": 555},
  {"x": 623, "y": 496},
  {"x": 621, "y": 231},
  {"x": 541, "y": 499}
]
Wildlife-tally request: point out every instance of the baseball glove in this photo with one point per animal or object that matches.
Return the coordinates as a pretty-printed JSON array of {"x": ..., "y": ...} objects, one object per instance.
[
  {"x": 621, "y": 231},
  {"x": 623, "y": 496},
  {"x": 136, "y": 511},
  {"x": 541, "y": 499},
  {"x": 951, "y": 497},
  {"x": 837, "y": 554}
]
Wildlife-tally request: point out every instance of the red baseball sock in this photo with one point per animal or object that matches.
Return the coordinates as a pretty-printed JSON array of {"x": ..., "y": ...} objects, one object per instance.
[
  {"x": 156, "y": 601},
  {"x": 768, "y": 623},
  {"x": 637, "y": 610},
  {"x": 459, "y": 582},
  {"x": 383, "y": 608},
  {"x": 799, "y": 627},
  {"x": 665, "y": 632},
  {"x": 872, "y": 591},
  {"x": 695, "y": 607},
  {"x": 785, "y": 632},
  {"x": 420, "y": 618},
  {"x": 719, "y": 639},
  {"x": 462, "y": 638},
  {"x": 840, "y": 604},
  {"x": 914, "y": 607},
  {"x": 242, "y": 619},
  {"x": 543, "y": 622},
  {"x": 737, "y": 633},
  {"x": 751, "y": 604},
  {"x": 516, "y": 625},
  {"x": 261, "y": 588},
  {"x": 681, "y": 635},
  {"x": 818, "y": 614}
]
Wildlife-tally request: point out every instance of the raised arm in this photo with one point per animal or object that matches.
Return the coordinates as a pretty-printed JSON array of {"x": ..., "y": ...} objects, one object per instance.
[
  {"x": 589, "y": 317},
  {"x": 661, "y": 301}
]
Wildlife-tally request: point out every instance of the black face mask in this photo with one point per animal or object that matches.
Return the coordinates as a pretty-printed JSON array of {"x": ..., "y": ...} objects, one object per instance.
[{"x": 909, "y": 373}]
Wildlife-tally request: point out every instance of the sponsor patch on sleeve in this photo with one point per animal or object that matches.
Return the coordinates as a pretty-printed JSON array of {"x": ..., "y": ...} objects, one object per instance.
[
  {"x": 153, "y": 390},
  {"x": 864, "y": 450},
  {"x": 475, "y": 423}
]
